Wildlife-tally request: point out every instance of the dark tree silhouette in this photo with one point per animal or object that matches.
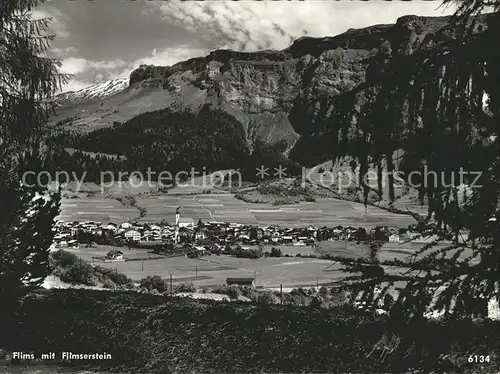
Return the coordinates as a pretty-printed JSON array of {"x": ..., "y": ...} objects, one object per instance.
[
  {"x": 446, "y": 94},
  {"x": 27, "y": 85}
]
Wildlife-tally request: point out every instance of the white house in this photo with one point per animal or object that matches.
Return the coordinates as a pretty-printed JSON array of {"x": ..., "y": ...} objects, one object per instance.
[
  {"x": 133, "y": 235},
  {"x": 126, "y": 225},
  {"x": 110, "y": 227},
  {"x": 394, "y": 238},
  {"x": 200, "y": 235}
]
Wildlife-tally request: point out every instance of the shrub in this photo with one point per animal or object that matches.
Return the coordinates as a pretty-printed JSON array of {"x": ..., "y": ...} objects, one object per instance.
[
  {"x": 185, "y": 287},
  {"x": 315, "y": 303},
  {"x": 246, "y": 291},
  {"x": 323, "y": 290},
  {"x": 265, "y": 298},
  {"x": 80, "y": 272},
  {"x": 154, "y": 283},
  {"x": 63, "y": 258},
  {"x": 241, "y": 253},
  {"x": 232, "y": 291},
  {"x": 337, "y": 297},
  {"x": 129, "y": 286},
  {"x": 119, "y": 278},
  {"x": 108, "y": 284},
  {"x": 275, "y": 252},
  {"x": 112, "y": 253},
  {"x": 104, "y": 274},
  {"x": 285, "y": 201}
]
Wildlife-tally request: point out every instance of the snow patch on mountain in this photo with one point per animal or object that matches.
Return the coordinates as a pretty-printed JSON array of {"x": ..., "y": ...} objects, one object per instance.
[{"x": 93, "y": 93}]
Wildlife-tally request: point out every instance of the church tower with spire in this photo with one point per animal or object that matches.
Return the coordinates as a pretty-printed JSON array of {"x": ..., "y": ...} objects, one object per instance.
[{"x": 177, "y": 219}]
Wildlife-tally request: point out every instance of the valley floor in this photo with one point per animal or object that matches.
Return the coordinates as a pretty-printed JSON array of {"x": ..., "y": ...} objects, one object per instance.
[{"x": 226, "y": 208}]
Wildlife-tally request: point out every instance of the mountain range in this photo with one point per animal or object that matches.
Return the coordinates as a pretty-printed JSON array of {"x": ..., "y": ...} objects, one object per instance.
[{"x": 285, "y": 96}]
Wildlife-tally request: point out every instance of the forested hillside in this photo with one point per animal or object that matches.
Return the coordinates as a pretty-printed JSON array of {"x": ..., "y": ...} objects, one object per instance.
[{"x": 170, "y": 141}]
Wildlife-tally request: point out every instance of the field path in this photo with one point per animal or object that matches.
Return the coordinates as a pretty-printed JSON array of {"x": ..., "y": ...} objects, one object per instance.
[{"x": 204, "y": 207}]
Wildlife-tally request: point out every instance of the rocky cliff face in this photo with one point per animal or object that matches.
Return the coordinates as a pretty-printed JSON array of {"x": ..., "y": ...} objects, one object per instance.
[{"x": 274, "y": 95}]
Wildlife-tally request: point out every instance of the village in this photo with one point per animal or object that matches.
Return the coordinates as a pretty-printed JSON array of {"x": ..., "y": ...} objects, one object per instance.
[{"x": 202, "y": 238}]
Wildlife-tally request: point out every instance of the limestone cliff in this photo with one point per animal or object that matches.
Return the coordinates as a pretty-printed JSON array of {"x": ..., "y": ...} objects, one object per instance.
[{"x": 273, "y": 95}]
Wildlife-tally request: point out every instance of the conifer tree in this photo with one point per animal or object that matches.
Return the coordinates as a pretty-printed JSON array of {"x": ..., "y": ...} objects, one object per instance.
[
  {"x": 28, "y": 81},
  {"x": 448, "y": 96}
]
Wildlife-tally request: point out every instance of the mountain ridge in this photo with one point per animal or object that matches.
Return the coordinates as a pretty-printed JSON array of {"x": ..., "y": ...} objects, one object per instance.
[
  {"x": 96, "y": 91},
  {"x": 274, "y": 96}
]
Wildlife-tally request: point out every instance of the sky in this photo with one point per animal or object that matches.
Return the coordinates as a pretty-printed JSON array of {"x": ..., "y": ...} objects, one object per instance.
[{"x": 108, "y": 39}]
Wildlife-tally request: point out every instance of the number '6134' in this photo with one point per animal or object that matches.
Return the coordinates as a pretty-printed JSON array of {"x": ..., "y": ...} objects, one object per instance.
[{"x": 479, "y": 359}]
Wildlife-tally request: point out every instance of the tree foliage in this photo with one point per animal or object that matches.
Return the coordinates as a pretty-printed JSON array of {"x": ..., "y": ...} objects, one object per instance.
[
  {"x": 28, "y": 81},
  {"x": 441, "y": 103}
]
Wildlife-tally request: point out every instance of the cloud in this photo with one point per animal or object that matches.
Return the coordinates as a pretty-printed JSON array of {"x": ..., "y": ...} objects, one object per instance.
[
  {"x": 163, "y": 57},
  {"x": 107, "y": 65},
  {"x": 249, "y": 26},
  {"x": 59, "y": 24},
  {"x": 171, "y": 56},
  {"x": 240, "y": 26},
  {"x": 73, "y": 65},
  {"x": 64, "y": 52},
  {"x": 78, "y": 65},
  {"x": 75, "y": 85}
]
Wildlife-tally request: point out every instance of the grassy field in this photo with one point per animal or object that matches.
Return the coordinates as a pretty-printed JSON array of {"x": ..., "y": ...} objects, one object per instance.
[
  {"x": 225, "y": 207},
  {"x": 213, "y": 270},
  {"x": 95, "y": 209},
  {"x": 269, "y": 272}
]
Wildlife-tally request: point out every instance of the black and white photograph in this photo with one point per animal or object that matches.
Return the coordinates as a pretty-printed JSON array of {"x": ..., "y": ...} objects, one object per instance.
[{"x": 301, "y": 186}]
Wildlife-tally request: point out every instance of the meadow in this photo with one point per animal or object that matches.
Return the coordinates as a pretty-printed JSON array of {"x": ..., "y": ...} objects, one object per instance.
[
  {"x": 226, "y": 208},
  {"x": 95, "y": 209},
  {"x": 270, "y": 272},
  {"x": 213, "y": 270}
]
